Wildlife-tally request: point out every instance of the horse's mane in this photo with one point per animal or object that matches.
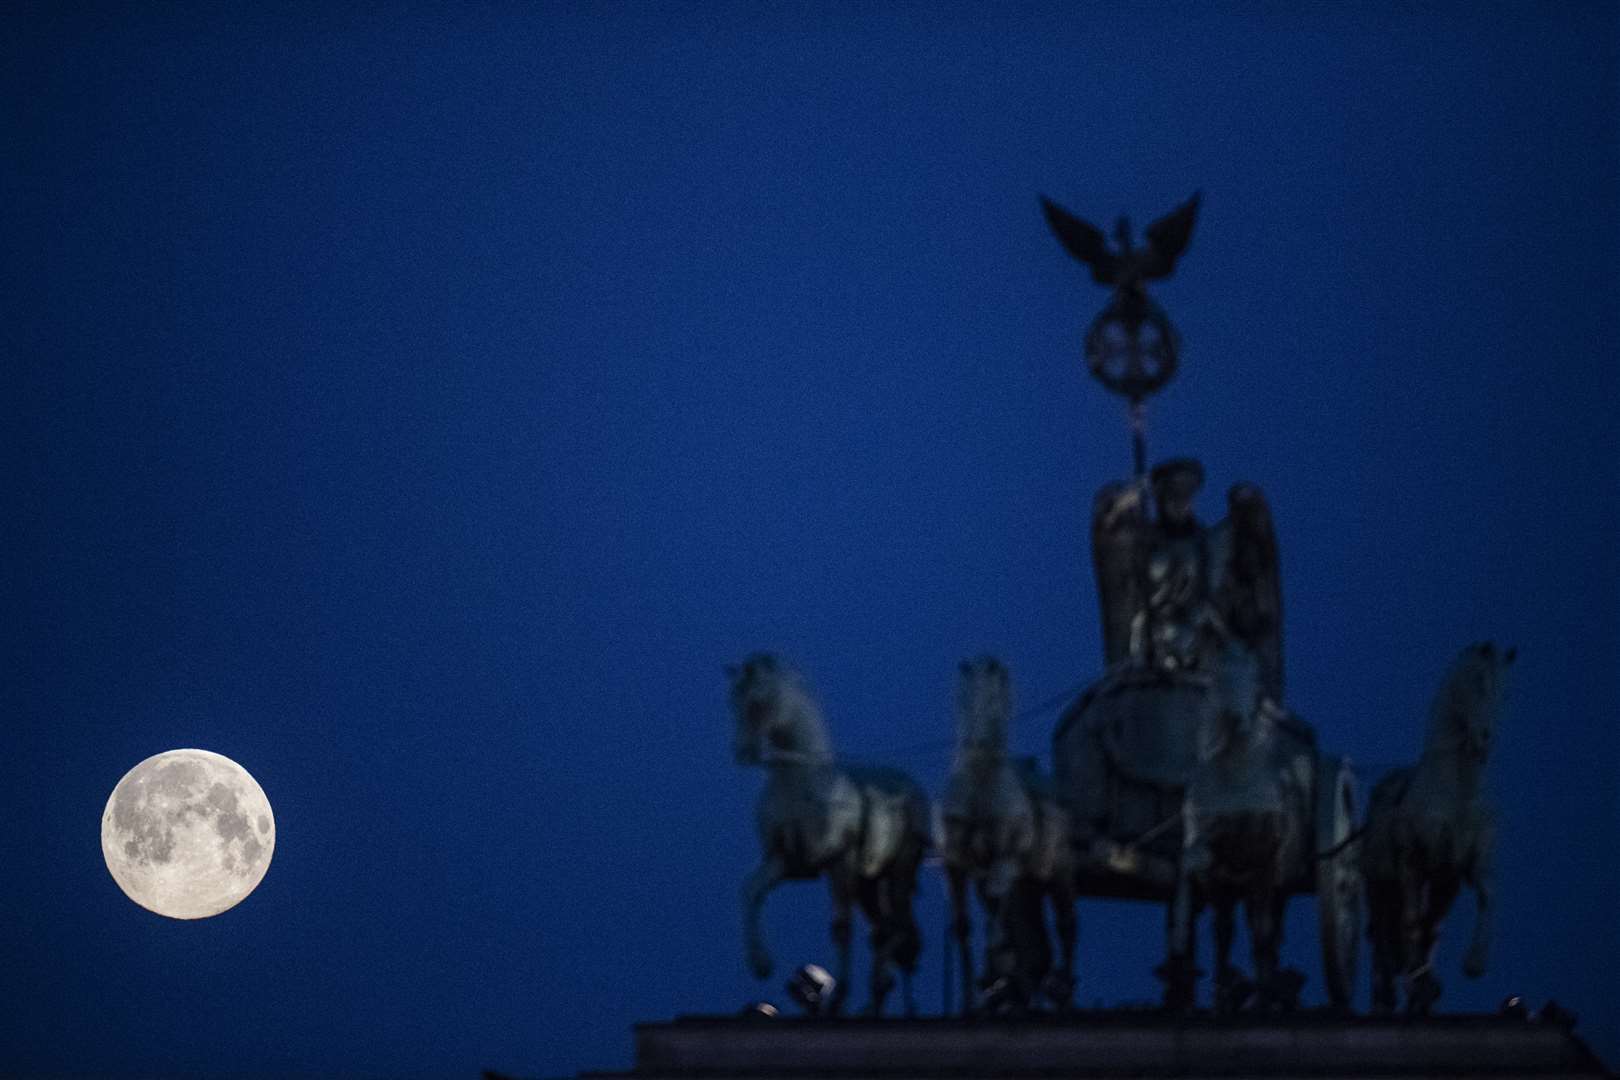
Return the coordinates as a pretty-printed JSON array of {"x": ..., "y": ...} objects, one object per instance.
[
  {"x": 766, "y": 675},
  {"x": 766, "y": 670},
  {"x": 1472, "y": 689}
]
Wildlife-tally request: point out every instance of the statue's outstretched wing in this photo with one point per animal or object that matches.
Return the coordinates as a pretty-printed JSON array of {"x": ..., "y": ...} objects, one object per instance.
[
  {"x": 1247, "y": 585},
  {"x": 1118, "y": 536},
  {"x": 1084, "y": 241},
  {"x": 1167, "y": 238}
]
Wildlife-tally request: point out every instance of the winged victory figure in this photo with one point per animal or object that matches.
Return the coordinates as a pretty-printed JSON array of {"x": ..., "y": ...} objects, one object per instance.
[{"x": 1174, "y": 590}]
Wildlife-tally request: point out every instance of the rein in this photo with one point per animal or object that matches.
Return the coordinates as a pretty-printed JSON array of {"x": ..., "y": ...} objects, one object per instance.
[
  {"x": 1355, "y": 836},
  {"x": 794, "y": 757}
]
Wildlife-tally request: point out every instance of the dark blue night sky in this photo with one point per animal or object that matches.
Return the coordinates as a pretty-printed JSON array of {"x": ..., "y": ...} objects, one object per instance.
[{"x": 420, "y": 405}]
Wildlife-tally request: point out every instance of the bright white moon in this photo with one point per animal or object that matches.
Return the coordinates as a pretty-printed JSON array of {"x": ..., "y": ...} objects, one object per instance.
[{"x": 187, "y": 834}]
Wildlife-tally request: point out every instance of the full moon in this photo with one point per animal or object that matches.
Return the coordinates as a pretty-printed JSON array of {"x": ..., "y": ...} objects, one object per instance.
[{"x": 187, "y": 834}]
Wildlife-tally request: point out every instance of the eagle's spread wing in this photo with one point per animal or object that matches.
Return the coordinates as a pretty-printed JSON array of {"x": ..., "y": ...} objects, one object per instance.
[
  {"x": 1084, "y": 241},
  {"x": 1167, "y": 238},
  {"x": 1248, "y": 585}
]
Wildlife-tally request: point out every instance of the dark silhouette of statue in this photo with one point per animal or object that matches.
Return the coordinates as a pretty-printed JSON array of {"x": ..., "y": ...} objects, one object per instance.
[
  {"x": 1128, "y": 266},
  {"x": 1174, "y": 591},
  {"x": 1131, "y": 346}
]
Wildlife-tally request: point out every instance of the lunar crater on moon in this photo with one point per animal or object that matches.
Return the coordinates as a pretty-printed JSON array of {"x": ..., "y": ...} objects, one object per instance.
[{"x": 187, "y": 834}]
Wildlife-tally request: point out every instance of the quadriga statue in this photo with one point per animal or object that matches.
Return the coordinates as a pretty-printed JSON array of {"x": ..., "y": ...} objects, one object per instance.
[
  {"x": 1430, "y": 830},
  {"x": 1003, "y": 831},
  {"x": 865, "y": 830}
]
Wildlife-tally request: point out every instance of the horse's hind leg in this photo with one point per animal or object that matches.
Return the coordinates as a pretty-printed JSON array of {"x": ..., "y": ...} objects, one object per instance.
[
  {"x": 841, "y": 886},
  {"x": 908, "y": 1000},
  {"x": 1479, "y": 946},
  {"x": 1422, "y": 985},
  {"x": 1060, "y": 984},
  {"x": 1179, "y": 971},
  {"x": 883, "y": 938},
  {"x": 1384, "y": 933},
  {"x": 1034, "y": 948},
  {"x": 1411, "y": 931},
  {"x": 1232, "y": 990},
  {"x": 908, "y": 936},
  {"x": 962, "y": 928},
  {"x": 1286, "y": 983},
  {"x": 1265, "y": 933}
]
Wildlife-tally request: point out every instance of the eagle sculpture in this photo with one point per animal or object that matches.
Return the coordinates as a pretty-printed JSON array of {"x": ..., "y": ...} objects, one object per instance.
[{"x": 1127, "y": 266}]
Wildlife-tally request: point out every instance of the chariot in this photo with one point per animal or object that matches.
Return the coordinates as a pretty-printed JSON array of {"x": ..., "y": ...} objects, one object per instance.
[{"x": 1123, "y": 753}]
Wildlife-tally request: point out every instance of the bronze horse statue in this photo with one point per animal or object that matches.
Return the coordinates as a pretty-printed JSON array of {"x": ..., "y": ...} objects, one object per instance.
[
  {"x": 865, "y": 830},
  {"x": 1430, "y": 830},
  {"x": 1002, "y": 829},
  {"x": 1245, "y": 830}
]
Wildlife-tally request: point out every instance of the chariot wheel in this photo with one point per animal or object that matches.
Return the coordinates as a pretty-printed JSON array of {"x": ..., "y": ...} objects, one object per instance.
[{"x": 1338, "y": 876}]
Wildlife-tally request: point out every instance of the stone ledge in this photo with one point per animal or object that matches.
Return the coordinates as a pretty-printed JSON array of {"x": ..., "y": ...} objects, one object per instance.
[{"x": 1100, "y": 1044}]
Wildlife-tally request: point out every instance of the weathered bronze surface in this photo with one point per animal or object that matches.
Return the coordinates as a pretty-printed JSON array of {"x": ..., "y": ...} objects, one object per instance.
[
  {"x": 1431, "y": 830},
  {"x": 1003, "y": 832},
  {"x": 1179, "y": 775},
  {"x": 1190, "y": 612},
  {"x": 864, "y": 829},
  {"x": 1173, "y": 591},
  {"x": 1246, "y": 831}
]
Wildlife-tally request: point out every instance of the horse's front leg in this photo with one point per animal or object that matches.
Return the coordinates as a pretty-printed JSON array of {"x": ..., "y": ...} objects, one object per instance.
[
  {"x": 1257, "y": 907},
  {"x": 1479, "y": 946},
  {"x": 841, "y": 889},
  {"x": 1384, "y": 930},
  {"x": 754, "y": 890},
  {"x": 1003, "y": 963},
  {"x": 998, "y": 890},
  {"x": 879, "y": 907},
  {"x": 962, "y": 927},
  {"x": 1179, "y": 971},
  {"x": 1414, "y": 965},
  {"x": 1060, "y": 986}
]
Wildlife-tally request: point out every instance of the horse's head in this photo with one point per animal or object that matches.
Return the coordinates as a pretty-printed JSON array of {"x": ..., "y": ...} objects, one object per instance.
[
  {"x": 1235, "y": 720},
  {"x": 983, "y": 704},
  {"x": 1463, "y": 719},
  {"x": 759, "y": 687}
]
